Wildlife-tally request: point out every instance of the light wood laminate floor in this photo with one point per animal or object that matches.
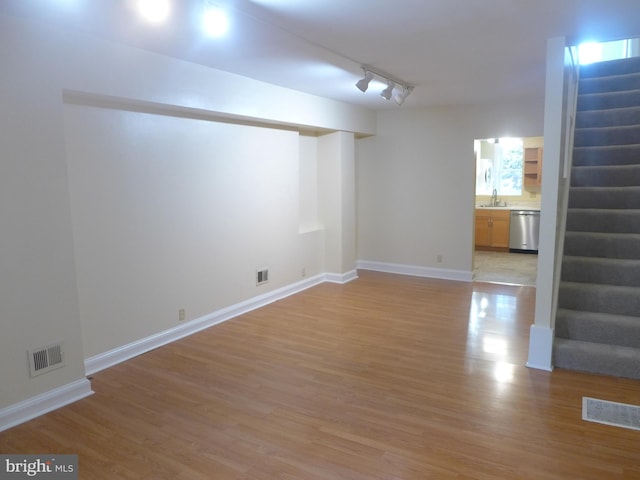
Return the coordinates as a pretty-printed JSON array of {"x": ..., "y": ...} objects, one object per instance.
[{"x": 387, "y": 377}]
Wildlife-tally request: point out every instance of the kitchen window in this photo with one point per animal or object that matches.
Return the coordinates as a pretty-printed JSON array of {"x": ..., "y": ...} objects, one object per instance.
[{"x": 499, "y": 166}]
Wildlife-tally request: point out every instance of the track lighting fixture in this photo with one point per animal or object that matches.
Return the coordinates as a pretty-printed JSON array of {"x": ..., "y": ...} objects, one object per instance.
[
  {"x": 386, "y": 93},
  {"x": 363, "y": 83},
  {"x": 402, "y": 95},
  {"x": 396, "y": 88}
]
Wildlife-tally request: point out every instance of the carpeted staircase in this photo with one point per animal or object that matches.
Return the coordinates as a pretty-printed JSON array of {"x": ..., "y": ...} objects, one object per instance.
[{"x": 598, "y": 319}]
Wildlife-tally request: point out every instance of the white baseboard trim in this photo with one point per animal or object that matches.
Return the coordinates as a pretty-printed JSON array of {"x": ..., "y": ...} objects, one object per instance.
[
  {"x": 120, "y": 354},
  {"x": 44, "y": 403},
  {"x": 341, "y": 277},
  {"x": 416, "y": 271}
]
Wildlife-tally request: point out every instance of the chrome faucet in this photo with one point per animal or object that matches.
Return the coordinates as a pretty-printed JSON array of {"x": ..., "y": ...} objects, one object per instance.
[{"x": 494, "y": 198}]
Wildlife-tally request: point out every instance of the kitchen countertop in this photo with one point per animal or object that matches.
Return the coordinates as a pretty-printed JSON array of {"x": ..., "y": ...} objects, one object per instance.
[{"x": 509, "y": 207}]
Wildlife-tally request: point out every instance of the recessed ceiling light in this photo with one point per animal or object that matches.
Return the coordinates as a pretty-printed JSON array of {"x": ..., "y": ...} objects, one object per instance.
[
  {"x": 215, "y": 21},
  {"x": 154, "y": 10}
]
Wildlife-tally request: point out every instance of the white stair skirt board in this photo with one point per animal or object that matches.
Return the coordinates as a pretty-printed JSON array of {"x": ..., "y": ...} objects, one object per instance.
[
  {"x": 540, "y": 348},
  {"x": 44, "y": 403},
  {"x": 125, "y": 352},
  {"x": 611, "y": 413}
]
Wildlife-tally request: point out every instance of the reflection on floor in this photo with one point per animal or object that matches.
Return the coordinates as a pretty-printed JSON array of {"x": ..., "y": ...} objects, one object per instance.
[{"x": 503, "y": 267}]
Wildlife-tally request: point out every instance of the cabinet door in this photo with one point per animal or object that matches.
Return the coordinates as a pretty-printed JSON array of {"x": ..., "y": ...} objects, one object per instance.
[
  {"x": 500, "y": 221},
  {"x": 483, "y": 220}
]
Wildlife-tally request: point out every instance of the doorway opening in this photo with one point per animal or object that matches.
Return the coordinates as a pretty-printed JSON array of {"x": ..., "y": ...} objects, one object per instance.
[{"x": 508, "y": 179}]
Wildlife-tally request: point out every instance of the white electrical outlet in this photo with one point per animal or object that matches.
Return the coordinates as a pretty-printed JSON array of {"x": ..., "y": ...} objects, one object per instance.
[
  {"x": 181, "y": 315},
  {"x": 439, "y": 258}
]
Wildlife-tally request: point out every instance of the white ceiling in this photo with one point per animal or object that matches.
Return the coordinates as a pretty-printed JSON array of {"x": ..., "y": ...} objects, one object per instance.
[{"x": 453, "y": 51}]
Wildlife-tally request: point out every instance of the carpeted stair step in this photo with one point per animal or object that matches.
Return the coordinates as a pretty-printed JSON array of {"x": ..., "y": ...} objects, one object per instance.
[
  {"x": 596, "y": 358},
  {"x": 598, "y": 327},
  {"x": 603, "y": 220},
  {"x": 604, "y": 197},
  {"x": 609, "y": 68},
  {"x": 611, "y": 83},
  {"x": 606, "y": 155},
  {"x": 597, "y": 244},
  {"x": 605, "y": 101},
  {"x": 594, "y": 297},
  {"x": 608, "y": 118},
  {"x": 602, "y": 270},
  {"x": 618, "y": 135},
  {"x": 605, "y": 176}
]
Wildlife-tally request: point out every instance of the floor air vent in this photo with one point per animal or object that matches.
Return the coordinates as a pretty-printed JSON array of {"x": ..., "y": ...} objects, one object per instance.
[
  {"x": 45, "y": 359},
  {"x": 611, "y": 413}
]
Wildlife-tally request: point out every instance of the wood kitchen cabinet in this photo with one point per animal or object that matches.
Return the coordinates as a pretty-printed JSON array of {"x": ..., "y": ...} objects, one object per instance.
[
  {"x": 532, "y": 166},
  {"x": 492, "y": 229}
]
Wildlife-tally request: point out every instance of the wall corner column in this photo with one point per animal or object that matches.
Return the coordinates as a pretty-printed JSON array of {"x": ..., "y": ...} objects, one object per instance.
[{"x": 337, "y": 200}]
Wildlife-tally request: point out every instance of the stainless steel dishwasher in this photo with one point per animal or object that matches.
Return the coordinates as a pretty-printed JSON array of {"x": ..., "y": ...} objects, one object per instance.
[{"x": 524, "y": 231}]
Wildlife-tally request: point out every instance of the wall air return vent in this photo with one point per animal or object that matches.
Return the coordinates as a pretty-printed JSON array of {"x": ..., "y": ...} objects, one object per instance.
[
  {"x": 262, "y": 276},
  {"x": 45, "y": 359}
]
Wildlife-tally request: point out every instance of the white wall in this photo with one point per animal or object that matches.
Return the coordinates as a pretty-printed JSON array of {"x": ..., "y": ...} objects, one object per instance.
[
  {"x": 416, "y": 181},
  {"x": 308, "y": 168},
  {"x": 172, "y": 213},
  {"x": 38, "y": 297},
  {"x": 336, "y": 176},
  {"x": 140, "y": 220}
]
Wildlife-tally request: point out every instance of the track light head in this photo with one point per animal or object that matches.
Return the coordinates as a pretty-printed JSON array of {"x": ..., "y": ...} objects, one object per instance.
[
  {"x": 386, "y": 93},
  {"x": 402, "y": 95},
  {"x": 363, "y": 83}
]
